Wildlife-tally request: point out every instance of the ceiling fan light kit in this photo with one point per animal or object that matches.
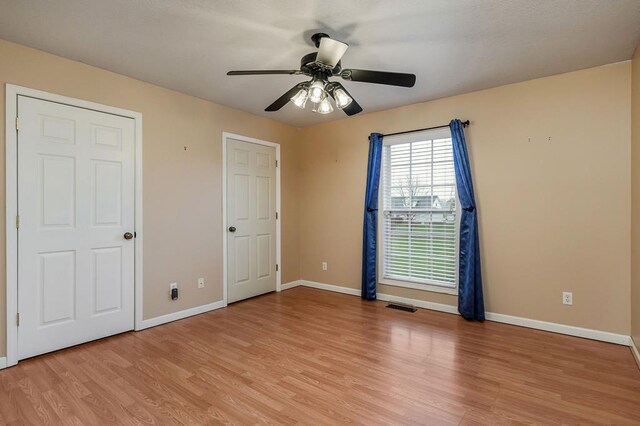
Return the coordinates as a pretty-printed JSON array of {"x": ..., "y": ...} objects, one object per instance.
[
  {"x": 342, "y": 99},
  {"x": 316, "y": 91},
  {"x": 300, "y": 99},
  {"x": 324, "y": 107},
  {"x": 322, "y": 65}
]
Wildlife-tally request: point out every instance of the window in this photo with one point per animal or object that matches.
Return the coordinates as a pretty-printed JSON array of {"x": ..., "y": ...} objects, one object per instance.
[{"x": 419, "y": 220}]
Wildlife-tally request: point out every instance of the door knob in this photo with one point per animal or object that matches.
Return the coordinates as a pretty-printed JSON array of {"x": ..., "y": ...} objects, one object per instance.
[
  {"x": 128, "y": 235},
  {"x": 232, "y": 229}
]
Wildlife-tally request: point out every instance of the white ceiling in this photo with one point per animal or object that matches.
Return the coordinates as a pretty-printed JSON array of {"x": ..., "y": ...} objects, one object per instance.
[{"x": 452, "y": 46}]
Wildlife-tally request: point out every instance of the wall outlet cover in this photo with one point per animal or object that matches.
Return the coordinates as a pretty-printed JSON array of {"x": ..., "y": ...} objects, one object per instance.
[{"x": 567, "y": 298}]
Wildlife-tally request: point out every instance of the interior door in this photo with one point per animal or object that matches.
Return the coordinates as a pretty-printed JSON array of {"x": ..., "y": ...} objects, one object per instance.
[
  {"x": 76, "y": 224},
  {"x": 251, "y": 219}
]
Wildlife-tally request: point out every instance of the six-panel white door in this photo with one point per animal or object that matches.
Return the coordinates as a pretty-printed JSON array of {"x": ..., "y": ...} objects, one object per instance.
[
  {"x": 251, "y": 219},
  {"x": 75, "y": 203}
]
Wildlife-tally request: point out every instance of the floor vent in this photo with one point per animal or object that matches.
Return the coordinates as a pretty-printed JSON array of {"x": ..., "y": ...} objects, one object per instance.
[{"x": 400, "y": 307}]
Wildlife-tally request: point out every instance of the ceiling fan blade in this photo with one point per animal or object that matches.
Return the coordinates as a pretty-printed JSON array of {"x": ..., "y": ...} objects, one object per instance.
[
  {"x": 330, "y": 51},
  {"x": 379, "y": 77},
  {"x": 282, "y": 100},
  {"x": 264, "y": 72},
  {"x": 353, "y": 108}
]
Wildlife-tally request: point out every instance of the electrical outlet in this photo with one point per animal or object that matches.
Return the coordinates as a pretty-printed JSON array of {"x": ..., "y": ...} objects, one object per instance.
[
  {"x": 173, "y": 291},
  {"x": 567, "y": 298},
  {"x": 200, "y": 282},
  {"x": 324, "y": 266}
]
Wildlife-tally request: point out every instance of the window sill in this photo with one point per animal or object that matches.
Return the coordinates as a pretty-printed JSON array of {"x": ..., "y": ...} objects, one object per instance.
[{"x": 423, "y": 287}]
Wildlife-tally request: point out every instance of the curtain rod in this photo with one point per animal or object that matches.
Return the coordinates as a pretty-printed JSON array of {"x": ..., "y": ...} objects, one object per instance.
[{"x": 464, "y": 124}]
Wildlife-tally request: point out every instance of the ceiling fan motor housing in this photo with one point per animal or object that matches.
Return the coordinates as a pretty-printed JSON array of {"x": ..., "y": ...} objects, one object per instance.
[
  {"x": 316, "y": 38},
  {"x": 309, "y": 66}
]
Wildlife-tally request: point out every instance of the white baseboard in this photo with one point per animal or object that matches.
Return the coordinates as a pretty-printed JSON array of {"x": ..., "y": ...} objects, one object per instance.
[
  {"x": 289, "y": 285},
  {"x": 3, "y": 362},
  {"x": 440, "y": 307},
  {"x": 381, "y": 296},
  {"x": 329, "y": 287},
  {"x": 634, "y": 351},
  {"x": 586, "y": 333},
  {"x": 152, "y": 322}
]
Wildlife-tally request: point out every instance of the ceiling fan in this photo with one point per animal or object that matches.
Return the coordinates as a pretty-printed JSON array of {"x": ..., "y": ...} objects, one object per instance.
[{"x": 322, "y": 65}]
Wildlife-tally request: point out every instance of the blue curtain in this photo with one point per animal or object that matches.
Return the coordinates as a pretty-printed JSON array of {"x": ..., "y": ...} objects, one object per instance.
[
  {"x": 470, "y": 300},
  {"x": 369, "y": 239}
]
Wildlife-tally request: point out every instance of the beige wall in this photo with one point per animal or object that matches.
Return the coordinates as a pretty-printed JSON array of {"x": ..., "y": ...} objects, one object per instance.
[
  {"x": 182, "y": 189},
  {"x": 554, "y": 214},
  {"x": 635, "y": 199}
]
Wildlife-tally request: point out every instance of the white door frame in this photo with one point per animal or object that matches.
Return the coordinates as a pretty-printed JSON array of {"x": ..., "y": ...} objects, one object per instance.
[
  {"x": 225, "y": 136},
  {"x": 11, "y": 197}
]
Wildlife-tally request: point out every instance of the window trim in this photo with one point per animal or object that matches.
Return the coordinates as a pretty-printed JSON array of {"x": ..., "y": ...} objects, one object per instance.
[{"x": 427, "y": 285}]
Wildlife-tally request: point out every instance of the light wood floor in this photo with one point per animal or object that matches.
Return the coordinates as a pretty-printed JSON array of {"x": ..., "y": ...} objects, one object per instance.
[{"x": 309, "y": 356}]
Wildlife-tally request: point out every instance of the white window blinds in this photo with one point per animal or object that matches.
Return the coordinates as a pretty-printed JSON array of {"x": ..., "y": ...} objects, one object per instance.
[{"x": 419, "y": 209}]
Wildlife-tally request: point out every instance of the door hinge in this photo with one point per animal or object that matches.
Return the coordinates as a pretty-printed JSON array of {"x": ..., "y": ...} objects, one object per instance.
[
  {"x": 276, "y": 215},
  {"x": 276, "y": 163},
  {"x": 276, "y": 267},
  {"x": 17, "y": 123},
  {"x": 17, "y": 221},
  {"x": 18, "y": 319}
]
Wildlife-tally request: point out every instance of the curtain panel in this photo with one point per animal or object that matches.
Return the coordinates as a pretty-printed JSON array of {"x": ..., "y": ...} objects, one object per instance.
[{"x": 470, "y": 298}]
